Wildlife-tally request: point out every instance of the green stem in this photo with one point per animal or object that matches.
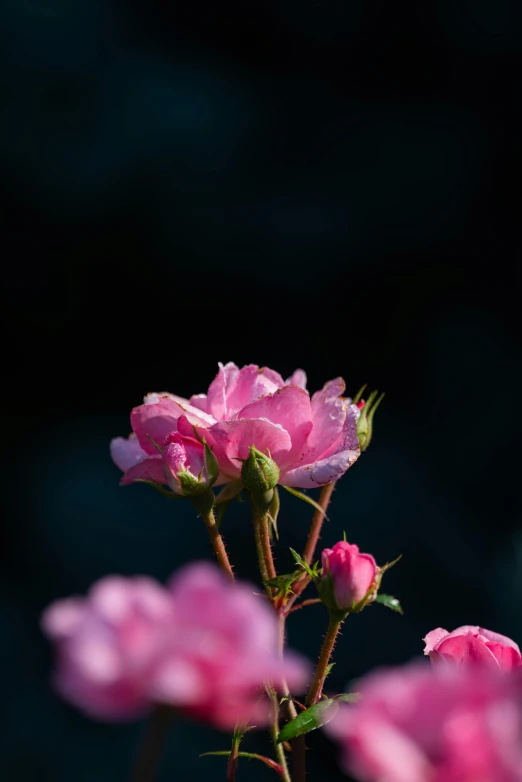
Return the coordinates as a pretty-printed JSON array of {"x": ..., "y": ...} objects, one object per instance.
[
  {"x": 316, "y": 688},
  {"x": 217, "y": 542},
  {"x": 263, "y": 546},
  {"x": 274, "y": 732},
  {"x": 152, "y": 743},
  {"x": 298, "y": 744}
]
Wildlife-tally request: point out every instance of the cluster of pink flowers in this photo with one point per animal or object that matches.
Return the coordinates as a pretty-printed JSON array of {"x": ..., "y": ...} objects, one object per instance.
[
  {"x": 211, "y": 648},
  {"x": 312, "y": 441},
  {"x": 202, "y": 644}
]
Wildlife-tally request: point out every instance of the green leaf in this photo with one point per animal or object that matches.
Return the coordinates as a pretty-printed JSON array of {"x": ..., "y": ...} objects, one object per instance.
[
  {"x": 310, "y": 719},
  {"x": 302, "y": 563},
  {"x": 306, "y": 498},
  {"x": 348, "y": 697},
  {"x": 390, "y": 602},
  {"x": 328, "y": 669}
]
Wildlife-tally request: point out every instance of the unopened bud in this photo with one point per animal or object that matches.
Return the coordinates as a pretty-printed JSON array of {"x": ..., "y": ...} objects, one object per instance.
[{"x": 260, "y": 475}]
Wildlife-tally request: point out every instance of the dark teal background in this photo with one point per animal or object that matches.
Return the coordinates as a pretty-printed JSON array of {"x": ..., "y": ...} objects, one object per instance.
[{"x": 330, "y": 185}]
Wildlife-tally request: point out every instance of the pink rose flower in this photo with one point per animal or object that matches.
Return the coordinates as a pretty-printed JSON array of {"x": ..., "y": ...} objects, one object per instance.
[
  {"x": 348, "y": 572},
  {"x": 418, "y": 724},
  {"x": 472, "y": 645},
  {"x": 313, "y": 441},
  {"x": 203, "y": 645}
]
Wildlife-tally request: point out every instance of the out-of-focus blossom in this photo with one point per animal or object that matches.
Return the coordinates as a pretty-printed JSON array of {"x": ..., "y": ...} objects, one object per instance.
[
  {"x": 313, "y": 441},
  {"x": 203, "y": 645},
  {"x": 226, "y": 644},
  {"x": 473, "y": 645},
  {"x": 419, "y": 724},
  {"x": 347, "y": 575},
  {"x": 110, "y": 644}
]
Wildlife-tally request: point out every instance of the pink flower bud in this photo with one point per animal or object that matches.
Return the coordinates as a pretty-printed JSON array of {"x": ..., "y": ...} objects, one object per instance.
[
  {"x": 189, "y": 466},
  {"x": 348, "y": 574},
  {"x": 470, "y": 645}
]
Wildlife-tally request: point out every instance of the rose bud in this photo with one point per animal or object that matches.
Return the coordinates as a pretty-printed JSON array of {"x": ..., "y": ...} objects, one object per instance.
[
  {"x": 260, "y": 475},
  {"x": 348, "y": 577},
  {"x": 190, "y": 467}
]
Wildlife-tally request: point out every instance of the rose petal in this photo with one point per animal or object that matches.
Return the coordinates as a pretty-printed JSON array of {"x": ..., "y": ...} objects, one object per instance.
[
  {"x": 219, "y": 390},
  {"x": 156, "y": 421},
  {"x": 126, "y": 452},
  {"x": 150, "y": 469},
  {"x": 251, "y": 383},
  {"x": 290, "y": 408},
  {"x": 234, "y": 438},
  {"x": 298, "y": 378}
]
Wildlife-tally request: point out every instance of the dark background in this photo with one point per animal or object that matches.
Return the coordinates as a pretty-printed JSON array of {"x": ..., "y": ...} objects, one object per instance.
[{"x": 333, "y": 185}]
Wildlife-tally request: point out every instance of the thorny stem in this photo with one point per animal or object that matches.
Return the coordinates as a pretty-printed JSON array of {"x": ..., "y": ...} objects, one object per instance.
[
  {"x": 274, "y": 732},
  {"x": 317, "y": 522},
  {"x": 264, "y": 548},
  {"x": 311, "y": 602},
  {"x": 316, "y": 688},
  {"x": 313, "y": 536},
  {"x": 149, "y": 752},
  {"x": 217, "y": 542},
  {"x": 298, "y": 745}
]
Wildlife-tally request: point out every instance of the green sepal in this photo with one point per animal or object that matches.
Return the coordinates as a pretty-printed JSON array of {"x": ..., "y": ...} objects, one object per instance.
[
  {"x": 155, "y": 444},
  {"x": 358, "y": 395},
  {"x": 390, "y": 602},
  {"x": 211, "y": 465},
  {"x": 273, "y": 513},
  {"x": 229, "y": 492},
  {"x": 302, "y": 496},
  {"x": 347, "y": 697},
  {"x": 310, "y": 719},
  {"x": 162, "y": 490}
]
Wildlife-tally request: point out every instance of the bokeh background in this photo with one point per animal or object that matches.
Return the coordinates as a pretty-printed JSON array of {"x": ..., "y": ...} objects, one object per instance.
[{"x": 333, "y": 185}]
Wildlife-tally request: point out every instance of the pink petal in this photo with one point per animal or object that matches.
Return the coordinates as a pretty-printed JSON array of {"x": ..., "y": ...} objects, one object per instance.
[
  {"x": 156, "y": 421},
  {"x": 200, "y": 401},
  {"x": 329, "y": 412},
  {"x": 507, "y": 657},
  {"x": 219, "y": 390},
  {"x": 126, "y": 452},
  {"x": 309, "y": 476},
  {"x": 466, "y": 649},
  {"x": 298, "y": 378},
  {"x": 251, "y": 383},
  {"x": 433, "y": 638},
  {"x": 150, "y": 469},
  {"x": 234, "y": 438},
  {"x": 498, "y": 638},
  {"x": 290, "y": 408}
]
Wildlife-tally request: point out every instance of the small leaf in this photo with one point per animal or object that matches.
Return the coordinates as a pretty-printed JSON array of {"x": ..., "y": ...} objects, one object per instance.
[
  {"x": 302, "y": 562},
  {"x": 306, "y": 498},
  {"x": 314, "y": 717},
  {"x": 328, "y": 669},
  {"x": 390, "y": 602},
  {"x": 348, "y": 697}
]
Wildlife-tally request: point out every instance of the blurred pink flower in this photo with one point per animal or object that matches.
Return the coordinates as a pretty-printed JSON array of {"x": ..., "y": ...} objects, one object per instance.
[
  {"x": 469, "y": 645},
  {"x": 418, "y": 724},
  {"x": 109, "y": 645},
  {"x": 204, "y": 645},
  {"x": 350, "y": 573},
  {"x": 313, "y": 441}
]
